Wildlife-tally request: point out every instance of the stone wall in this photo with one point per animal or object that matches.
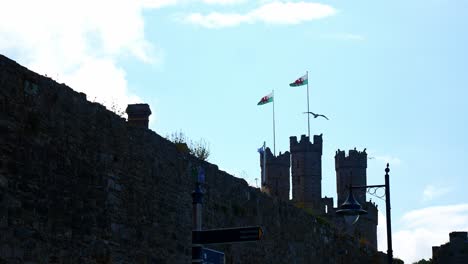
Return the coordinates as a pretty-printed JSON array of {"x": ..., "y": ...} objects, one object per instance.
[
  {"x": 453, "y": 252},
  {"x": 78, "y": 185}
]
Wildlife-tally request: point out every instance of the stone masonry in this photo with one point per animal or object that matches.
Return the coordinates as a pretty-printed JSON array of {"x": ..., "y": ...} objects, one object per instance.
[
  {"x": 277, "y": 174},
  {"x": 351, "y": 169},
  {"x": 453, "y": 252},
  {"x": 78, "y": 184},
  {"x": 306, "y": 169}
]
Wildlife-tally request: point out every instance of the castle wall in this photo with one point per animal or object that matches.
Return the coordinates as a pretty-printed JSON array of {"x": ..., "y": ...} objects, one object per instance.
[
  {"x": 306, "y": 171},
  {"x": 276, "y": 182},
  {"x": 455, "y": 251},
  {"x": 78, "y": 185}
]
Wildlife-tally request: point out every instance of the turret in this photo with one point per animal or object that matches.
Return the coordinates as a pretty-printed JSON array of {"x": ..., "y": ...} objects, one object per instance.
[
  {"x": 351, "y": 169},
  {"x": 306, "y": 170},
  {"x": 276, "y": 180}
]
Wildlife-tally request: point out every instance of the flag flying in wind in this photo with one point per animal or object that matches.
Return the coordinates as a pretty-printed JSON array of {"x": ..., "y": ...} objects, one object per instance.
[
  {"x": 301, "y": 81},
  {"x": 261, "y": 150},
  {"x": 266, "y": 99}
]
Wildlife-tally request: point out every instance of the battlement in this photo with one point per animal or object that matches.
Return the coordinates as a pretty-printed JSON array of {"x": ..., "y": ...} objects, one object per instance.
[
  {"x": 458, "y": 237},
  {"x": 275, "y": 181},
  {"x": 355, "y": 158},
  {"x": 305, "y": 145},
  {"x": 372, "y": 211},
  {"x": 280, "y": 160}
]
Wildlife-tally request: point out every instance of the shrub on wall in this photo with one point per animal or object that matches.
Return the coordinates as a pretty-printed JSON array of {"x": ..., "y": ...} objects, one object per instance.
[{"x": 199, "y": 149}]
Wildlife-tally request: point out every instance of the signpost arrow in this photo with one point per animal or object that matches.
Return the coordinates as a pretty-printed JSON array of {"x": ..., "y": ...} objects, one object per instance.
[
  {"x": 211, "y": 256},
  {"x": 227, "y": 235}
]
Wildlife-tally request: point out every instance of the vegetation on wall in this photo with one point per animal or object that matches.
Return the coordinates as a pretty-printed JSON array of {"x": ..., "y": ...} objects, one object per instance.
[
  {"x": 199, "y": 149},
  {"x": 423, "y": 261}
]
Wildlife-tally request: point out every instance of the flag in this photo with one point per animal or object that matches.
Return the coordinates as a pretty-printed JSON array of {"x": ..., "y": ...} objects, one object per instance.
[
  {"x": 301, "y": 81},
  {"x": 266, "y": 99},
  {"x": 261, "y": 150}
]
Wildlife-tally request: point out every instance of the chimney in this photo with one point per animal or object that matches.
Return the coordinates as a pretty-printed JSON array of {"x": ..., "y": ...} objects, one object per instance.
[{"x": 138, "y": 115}]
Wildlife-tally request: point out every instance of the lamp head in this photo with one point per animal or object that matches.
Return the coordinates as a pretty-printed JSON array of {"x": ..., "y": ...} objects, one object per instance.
[{"x": 351, "y": 209}]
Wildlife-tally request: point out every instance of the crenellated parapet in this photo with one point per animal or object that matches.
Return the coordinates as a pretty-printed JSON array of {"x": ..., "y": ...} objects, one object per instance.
[
  {"x": 280, "y": 160},
  {"x": 350, "y": 170},
  {"x": 304, "y": 145},
  {"x": 355, "y": 159},
  {"x": 372, "y": 211}
]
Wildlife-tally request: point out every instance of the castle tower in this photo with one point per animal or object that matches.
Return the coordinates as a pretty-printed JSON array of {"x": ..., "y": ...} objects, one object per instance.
[
  {"x": 306, "y": 170},
  {"x": 276, "y": 182},
  {"x": 351, "y": 169}
]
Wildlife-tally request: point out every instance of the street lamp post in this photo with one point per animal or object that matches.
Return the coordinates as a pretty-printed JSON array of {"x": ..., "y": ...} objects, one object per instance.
[
  {"x": 351, "y": 209},
  {"x": 197, "y": 206}
]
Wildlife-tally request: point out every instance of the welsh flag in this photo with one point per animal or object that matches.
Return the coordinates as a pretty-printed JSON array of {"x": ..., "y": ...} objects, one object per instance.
[
  {"x": 266, "y": 99},
  {"x": 301, "y": 81}
]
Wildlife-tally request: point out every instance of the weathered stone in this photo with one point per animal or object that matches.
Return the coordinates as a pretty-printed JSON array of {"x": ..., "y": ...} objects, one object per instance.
[{"x": 80, "y": 186}]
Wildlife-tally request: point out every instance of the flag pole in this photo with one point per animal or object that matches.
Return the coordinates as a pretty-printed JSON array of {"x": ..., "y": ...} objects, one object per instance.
[
  {"x": 274, "y": 140},
  {"x": 308, "y": 115},
  {"x": 264, "y": 164}
]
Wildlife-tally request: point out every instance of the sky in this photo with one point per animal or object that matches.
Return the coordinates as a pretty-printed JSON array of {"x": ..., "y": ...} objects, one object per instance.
[{"x": 390, "y": 75}]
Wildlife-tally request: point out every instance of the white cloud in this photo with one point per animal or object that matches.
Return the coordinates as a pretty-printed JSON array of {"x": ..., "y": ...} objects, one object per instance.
[
  {"x": 272, "y": 13},
  {"x": 111, "y": 77},
  {"x": 78, "y": 42},
  {"x": 422, "y": 229},
  {"x": 164, "y": 3},
  {"x": 382, "y": 232},
  {"x": 216, "y": 20},
  {"x": 292, "y": 12},
  {"x": 430, "y": 192}
]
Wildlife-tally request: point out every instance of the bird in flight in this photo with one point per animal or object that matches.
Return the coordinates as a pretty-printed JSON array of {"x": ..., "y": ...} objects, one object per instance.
[{"x": 316, "y": 115}]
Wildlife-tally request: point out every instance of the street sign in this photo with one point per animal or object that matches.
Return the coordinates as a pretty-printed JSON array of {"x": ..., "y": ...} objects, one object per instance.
[
  {"x": 211, "y": 256},
  {"x": 227, "y": 235}
]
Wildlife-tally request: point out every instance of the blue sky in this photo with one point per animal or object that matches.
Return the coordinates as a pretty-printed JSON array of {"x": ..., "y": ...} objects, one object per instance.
[{"x": 391, "y": 76}]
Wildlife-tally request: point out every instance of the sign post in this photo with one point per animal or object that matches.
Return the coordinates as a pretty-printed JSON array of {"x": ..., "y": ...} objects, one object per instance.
[
  {"x": 200, "y": 237},
  {"x": 227, "y": 235},
  {"x": 211, "y": 256},
  {"x": 197, "y": 201}
]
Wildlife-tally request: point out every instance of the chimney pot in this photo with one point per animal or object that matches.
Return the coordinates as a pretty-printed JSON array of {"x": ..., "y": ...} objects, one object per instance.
[{"x": 138, "y": 115}]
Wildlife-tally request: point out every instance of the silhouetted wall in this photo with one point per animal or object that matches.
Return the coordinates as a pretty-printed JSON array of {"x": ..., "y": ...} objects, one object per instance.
[
  {"x": 453, "y": 252},
  {"x": 306, "y": 171},
  {"x": 80, "y": 185},
  {"x": 351, "y": 169},
  {"x": 277, "y": 174}
]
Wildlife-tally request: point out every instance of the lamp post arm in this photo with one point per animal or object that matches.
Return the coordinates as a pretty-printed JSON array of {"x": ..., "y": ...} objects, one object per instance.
[{"x": 367, "y": 186}]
